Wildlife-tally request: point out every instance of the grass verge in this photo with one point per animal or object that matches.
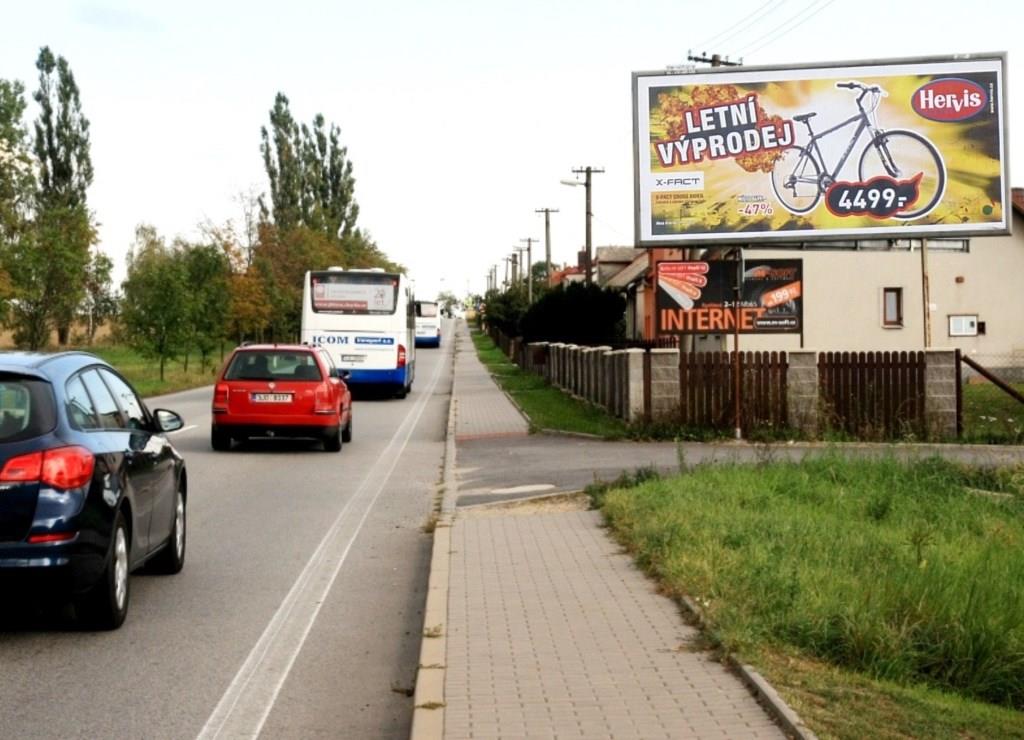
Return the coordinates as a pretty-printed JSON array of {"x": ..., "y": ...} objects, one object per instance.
[
  {"x": 991, "y": 416},
  {"x": 144, "y": 373},
  {"x": 546, "y": 407},
  {"x": 882, "y": 599}
]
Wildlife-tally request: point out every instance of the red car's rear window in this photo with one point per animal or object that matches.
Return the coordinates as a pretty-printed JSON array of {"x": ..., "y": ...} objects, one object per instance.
[{"x": 273, "y": 365}]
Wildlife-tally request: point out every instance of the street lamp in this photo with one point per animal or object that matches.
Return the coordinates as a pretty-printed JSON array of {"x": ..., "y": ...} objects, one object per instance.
[{"x": 587, "y": 171}]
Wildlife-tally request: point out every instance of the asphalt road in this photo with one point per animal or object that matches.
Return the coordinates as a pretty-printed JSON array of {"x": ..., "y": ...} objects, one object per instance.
[{"x": 298, "y": 613}]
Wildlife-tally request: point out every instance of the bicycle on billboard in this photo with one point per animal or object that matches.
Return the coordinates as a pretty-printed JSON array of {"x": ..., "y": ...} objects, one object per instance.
[{"x": 900, "y": 173}]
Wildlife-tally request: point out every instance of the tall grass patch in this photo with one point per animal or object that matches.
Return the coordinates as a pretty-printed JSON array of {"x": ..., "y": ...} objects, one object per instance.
[
  {"x": 992, "y": 416},
  {"x": 907, "y": 572}
]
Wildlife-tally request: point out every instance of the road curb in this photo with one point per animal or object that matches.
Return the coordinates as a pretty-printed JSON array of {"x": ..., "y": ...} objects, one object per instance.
[
  {"x": 428, "y": 698},
  {"x": 763, "y": 691}
]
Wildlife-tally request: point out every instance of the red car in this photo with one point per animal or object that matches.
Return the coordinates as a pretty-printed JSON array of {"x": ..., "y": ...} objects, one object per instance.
[{"x": 281, "y": 390}]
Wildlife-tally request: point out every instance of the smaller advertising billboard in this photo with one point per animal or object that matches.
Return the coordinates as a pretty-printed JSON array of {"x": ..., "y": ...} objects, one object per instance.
[
  {"x": 699, "y": 297},
  {"x": 863, "y": 150}
]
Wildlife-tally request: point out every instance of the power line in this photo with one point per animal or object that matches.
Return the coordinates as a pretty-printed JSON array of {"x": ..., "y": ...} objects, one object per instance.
[
  {"x": 809, "y": 12},
  {"x": 736, "y": 28}
]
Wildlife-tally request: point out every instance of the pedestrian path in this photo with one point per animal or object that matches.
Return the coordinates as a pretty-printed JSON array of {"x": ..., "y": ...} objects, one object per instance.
[
  {"x": 549, "y": 631},
  {"x": 482, "y": 409},
  {"x": 553, "y": 633}
]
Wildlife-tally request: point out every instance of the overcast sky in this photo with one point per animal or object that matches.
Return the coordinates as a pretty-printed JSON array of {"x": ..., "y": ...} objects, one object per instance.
[{"x": 460, "y": 116}]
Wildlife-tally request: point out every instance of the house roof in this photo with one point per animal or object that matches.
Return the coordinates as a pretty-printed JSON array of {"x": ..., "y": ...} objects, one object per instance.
[
  {"x": 635, "y": 270},
  {"x": 624, "y": 255}
]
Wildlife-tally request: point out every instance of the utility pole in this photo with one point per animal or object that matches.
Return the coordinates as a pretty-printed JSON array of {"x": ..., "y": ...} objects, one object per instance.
[
  {"x": 515, "y": 266},
  {"x": 588, "y": 264},
  {"x": 529, "y": 267},
  {"x": 587, "y": 171},
  {"x": 507, "y": 260},
  {"x": 547, "y": 238}
]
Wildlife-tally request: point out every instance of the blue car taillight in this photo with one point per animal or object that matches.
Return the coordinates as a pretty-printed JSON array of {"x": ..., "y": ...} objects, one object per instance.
[{"x": 63, "y": 468}]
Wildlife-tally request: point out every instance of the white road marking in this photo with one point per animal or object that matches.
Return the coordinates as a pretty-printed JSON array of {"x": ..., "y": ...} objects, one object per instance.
[
  {"x": 535, "y": 488},
  {"x": 248, "y": 700}
]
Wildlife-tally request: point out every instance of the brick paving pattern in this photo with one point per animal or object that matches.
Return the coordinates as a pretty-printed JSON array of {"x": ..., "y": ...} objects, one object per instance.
[
  {"x": 482, "y": 410},
  {"x": 553, "y": 633}
]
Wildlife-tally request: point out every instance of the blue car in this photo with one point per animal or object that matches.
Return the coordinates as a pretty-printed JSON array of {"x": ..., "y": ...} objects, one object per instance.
[{"x": 90, "y": 487}]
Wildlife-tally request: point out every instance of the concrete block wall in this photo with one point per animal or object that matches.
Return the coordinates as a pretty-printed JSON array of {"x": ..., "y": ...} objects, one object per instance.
[
  {"x": 940, "y": 393},
  {"x": 802, "y": 405},
  {"x": 665, "y": 394}
]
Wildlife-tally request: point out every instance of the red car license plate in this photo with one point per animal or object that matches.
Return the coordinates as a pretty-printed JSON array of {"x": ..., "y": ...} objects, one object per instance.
[{"x": 271, "y": 397}]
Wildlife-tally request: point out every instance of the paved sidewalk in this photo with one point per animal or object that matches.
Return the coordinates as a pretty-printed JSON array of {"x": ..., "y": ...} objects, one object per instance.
[
  {"x": 546, "y": 629},
  {"x": 481, "y": 409},
  {"x": 552, "y": 633}
]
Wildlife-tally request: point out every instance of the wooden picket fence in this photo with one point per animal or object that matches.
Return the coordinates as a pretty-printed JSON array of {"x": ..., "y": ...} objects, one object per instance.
[
  {"x": 706, "y": 385},
  {"x": 873, "y": 395}
]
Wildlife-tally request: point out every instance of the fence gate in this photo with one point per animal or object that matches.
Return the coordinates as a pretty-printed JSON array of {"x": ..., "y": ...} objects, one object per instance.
[
  {"x": 706, "y": 388},
  {"x": 873, "y": 395}
]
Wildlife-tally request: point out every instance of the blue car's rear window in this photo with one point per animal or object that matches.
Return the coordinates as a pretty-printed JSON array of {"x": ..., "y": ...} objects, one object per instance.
[{"x": 27, "y": 408}]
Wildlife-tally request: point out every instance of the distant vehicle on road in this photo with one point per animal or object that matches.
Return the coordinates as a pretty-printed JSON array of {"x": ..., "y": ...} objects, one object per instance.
[
  {"x": 428, "y": 324},
  {"x": 365, "y": 319},
  {"x": 281, "y": 390},
  {"x": 90, "y": 487}
]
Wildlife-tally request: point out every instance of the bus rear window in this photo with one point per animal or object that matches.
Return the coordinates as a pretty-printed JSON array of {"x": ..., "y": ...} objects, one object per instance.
[
  {"x": 426, "y": 310},
  {"x": 353, "y": 292}
]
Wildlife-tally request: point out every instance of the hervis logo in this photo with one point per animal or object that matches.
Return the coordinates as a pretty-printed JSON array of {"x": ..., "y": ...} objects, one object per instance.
[{"x": 950, "y": 99}]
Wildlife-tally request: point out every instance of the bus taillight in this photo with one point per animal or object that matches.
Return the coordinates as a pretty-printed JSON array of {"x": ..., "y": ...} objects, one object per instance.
[{"x": 401, "y": 355}]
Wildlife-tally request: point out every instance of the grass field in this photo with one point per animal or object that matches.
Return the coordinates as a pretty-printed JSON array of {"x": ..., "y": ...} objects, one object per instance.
[
  {"x": 992, "y": 416},
  {"x": 144, "y": 373},
  {"x": 882, "y": 599}
]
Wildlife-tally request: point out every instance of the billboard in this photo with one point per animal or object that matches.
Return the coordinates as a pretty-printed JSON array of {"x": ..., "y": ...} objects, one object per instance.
[
  {"x": 699, "y": 297},
  {"x": 869, "y": 150}
]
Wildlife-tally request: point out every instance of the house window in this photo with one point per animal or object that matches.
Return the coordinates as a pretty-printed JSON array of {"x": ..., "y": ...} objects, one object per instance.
[
  {"x": 963, "y": 325},
  {"x": 892, "y": 307}
]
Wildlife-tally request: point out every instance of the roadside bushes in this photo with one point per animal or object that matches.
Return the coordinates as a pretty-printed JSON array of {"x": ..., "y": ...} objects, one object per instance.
[{"x": 579, "y": 314}]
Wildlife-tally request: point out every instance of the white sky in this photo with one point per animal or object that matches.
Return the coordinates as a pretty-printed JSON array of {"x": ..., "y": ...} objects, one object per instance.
[{"x": 460, "y": 116}]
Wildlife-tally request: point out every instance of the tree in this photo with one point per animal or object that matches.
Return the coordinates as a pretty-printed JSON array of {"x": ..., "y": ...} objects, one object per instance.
[
  {"x": 155, "y": 298},
  {"x": 44, "y": 270},
  {"x": 17, "y": 184},
  {"x": 281, "y": 148},
  {"x": 65, "y": 231},
  {"x": 100, "y": 303},
  {"x": 311, "y": 182},
  {"x": 579, "y": 314},
  {"x": 447, "y": 300},
  {"x": 249, "y": 308},
  {"x": 207, "y": 270}
]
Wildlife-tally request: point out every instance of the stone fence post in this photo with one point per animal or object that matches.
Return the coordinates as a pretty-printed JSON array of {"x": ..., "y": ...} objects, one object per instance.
[
  {"x": 633, "y": 385},
  {"x": 665, "y": 396},
  {"x": 940, "y": 393},
  {"x": 802, "y": 391},
  {"x": 597, "y": 373}
]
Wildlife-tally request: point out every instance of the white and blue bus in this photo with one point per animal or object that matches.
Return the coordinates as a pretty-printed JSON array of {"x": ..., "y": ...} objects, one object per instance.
[
  {"x": 366, "y": 320},
  {"x": 428, "y": 324}
]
